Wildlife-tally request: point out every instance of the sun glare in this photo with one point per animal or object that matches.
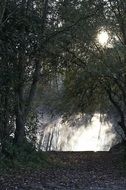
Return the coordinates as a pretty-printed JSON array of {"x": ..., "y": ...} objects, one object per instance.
[{"x": 103, "y": 38}]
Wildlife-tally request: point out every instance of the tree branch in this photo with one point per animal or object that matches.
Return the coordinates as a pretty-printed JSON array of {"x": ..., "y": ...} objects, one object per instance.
[{"x": 36, "y": 73}]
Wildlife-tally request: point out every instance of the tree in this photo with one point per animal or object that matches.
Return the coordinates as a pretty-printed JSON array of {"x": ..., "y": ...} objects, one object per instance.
[
  {"x": 28, "y": 33},
  {"x": 39, "y": 39},
  {"x": 20, "y": 40},
  {"x": 102, "y": 69}
]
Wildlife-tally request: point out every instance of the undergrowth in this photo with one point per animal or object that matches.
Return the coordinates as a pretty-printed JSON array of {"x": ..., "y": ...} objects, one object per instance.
[{"x": 23, "y": 157}]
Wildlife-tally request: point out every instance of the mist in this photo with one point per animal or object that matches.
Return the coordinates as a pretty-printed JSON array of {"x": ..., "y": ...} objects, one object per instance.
[{"x": 81, "y": 132}]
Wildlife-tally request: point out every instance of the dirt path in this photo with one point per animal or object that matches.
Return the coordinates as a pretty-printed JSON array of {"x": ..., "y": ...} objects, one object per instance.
[{"x": 71, "y": 171}]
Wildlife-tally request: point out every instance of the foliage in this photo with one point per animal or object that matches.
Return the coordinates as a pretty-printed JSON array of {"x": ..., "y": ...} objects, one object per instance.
[
  {"x": 40, "y": 40},
  {"x": 21, "y": 157}
]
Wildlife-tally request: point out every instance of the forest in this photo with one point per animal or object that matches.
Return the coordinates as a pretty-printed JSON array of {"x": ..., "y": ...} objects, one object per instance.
[{"x": 64, "y": 56}]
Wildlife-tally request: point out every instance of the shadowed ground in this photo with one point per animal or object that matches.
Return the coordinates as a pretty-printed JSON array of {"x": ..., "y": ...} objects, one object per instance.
[{"x": 71, "y": 171}]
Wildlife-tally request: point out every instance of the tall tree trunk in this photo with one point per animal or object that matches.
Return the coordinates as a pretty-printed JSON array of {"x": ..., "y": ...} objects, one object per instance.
[
  {"x": 51, "y": 139},
  {"x": 20, "y": 119},
  {"x": 19, "y": 108},
  {"x": 119, "y": 110},
  {"x": 4, "y": 118},
  {"x": 22, "y": 109},
  {"x": 48, "y": 141},
  {"x": 40, "y": 141},
  {"x": 20, "y": 128}
]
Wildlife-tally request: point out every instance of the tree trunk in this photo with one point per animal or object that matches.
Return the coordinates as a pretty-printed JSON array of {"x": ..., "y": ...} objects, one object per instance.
[
  {"x": 19, "y": 109},
  {"x": 122, "y": 124},
  {"x": 20, "y": 126},
  {"x": 23, "y": 106},
  {"x": 51, "y": 139},
  {"x": 119, "y": 110},
  {"x": 48, "y": 141}
]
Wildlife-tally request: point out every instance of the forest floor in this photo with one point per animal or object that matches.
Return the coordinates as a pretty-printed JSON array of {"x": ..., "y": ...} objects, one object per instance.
[{"x": 70, "y": 171}]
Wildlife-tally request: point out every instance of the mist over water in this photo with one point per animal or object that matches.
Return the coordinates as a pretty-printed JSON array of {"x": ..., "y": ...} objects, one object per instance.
[{"x": 79, "y": 133}]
